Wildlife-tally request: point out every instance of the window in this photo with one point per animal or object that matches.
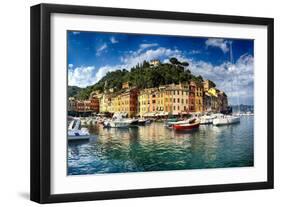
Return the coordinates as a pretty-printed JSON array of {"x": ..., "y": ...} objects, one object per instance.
[
  {"x": 178, "y": 107},
  {"x": 178, "y": 100},
  {"x": 174, "y": 107},
  {"x": 178, "y": 92},
  {"x": 174, "y": 100}
]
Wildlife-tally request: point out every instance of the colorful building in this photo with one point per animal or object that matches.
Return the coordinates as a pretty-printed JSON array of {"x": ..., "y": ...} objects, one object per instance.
[
  {"x": 199, "y": 97},
  {"x": 168, "y": 99},
  {"x": 176, "y": 99},
  {"x": 83, "y": 106},
  {"x": 71, "y": 106},
  {"x": 94, "y": 106},
  {"x": 222, "y": 101},
  {"x": 191, "y": 96},
  {"x": 179, "y": 93},
  {"x": 144, "y": 101}
]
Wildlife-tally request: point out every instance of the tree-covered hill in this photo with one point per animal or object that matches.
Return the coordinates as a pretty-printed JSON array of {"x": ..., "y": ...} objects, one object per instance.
[
  {"x": 73, "y": 90},
  {"x": 142, "y": 76}
]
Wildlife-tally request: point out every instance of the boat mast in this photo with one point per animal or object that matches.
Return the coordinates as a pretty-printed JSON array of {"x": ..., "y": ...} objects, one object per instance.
[{"x": 232, "y": 64}]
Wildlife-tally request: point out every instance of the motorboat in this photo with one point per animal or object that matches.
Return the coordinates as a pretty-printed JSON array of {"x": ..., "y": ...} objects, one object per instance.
[
  {"x": 144, "y": 121},
  {"x": 187, "y": 125},
  {"x": 207, "y": 118},
  {"x": 135, "y": 121},
  {"x": 170, "y": 122},
  {"x": 226, "y": 120},
  {"x": 117, "y": 121},
  {"x": 75, "y": 132},
  {"x": 82, "y": 134}
]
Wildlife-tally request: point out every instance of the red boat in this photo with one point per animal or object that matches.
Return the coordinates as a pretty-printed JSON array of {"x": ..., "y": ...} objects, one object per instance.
[{"x": 193, "y": 124}]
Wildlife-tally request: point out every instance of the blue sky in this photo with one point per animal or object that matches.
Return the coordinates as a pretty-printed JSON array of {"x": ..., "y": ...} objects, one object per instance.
[{"x": 92, "y": 54}]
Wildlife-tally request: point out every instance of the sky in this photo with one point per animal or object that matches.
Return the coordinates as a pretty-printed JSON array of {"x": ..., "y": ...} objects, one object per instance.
[{"x": 92, "y": 54}]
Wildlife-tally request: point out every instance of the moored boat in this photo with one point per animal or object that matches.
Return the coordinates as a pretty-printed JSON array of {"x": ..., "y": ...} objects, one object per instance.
[
  {"x": 144, "y": 121},
  {"x": 208, "y": 118},
  {"x": 187, "y": 125},
  {"x": 226, "y": 120},
  {"x": 118, "y": 122},
  {"x": 74, "y": 131}
]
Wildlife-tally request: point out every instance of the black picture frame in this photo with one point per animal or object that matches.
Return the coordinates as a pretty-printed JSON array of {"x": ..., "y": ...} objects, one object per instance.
[{"x": 41, "y": 95}]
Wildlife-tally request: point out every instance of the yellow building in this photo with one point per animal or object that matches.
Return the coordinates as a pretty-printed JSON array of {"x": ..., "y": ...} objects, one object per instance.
[
  {"x": 178, "y": 98},
  {"x": 144, "y": 101},
  {"x": 123, "y": 102},
  {"x": 104, "y": 99},
  {"x": 207, "y": 84},
  {"x": 166, "y": 99},
  {"x": 199, "y": 97}
]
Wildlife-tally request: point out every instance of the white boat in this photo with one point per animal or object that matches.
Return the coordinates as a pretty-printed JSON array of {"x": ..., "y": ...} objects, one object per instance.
[
  {"x": 226, "y": 120},
  {"x": 143, "y": 121},
  {"x": 182, "y": 122},
  {"x": 208, "y": 118},
  {"x": 75, "y": 133},
  {"x": 118, "y": 121}
]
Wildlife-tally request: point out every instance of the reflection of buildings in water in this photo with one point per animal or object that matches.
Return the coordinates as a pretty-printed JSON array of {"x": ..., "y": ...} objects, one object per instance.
[
  {"x": 209, "y": 136},
  {"x": 121, "y": 136}
]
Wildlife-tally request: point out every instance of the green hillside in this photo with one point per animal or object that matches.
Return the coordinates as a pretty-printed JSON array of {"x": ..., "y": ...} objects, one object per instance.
[{"x": 142, "y": 76}]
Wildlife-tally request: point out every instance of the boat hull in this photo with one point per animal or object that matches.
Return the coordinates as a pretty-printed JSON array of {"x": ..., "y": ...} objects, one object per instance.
[
  {"x": 81, "y": 137},
  {"x": 186, "y": 127},
  {"x": 116, "y": 124},
  {"x": 226, "y": 121}
]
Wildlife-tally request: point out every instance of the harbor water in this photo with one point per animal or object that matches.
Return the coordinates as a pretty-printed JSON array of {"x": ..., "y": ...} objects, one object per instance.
[{"x": 156, "y": 148}]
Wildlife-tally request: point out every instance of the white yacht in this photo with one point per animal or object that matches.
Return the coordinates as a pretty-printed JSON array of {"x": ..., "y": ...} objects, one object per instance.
[
  {"x": 207, "y": 118},
  {"x": 118, "y": 121},
  {"x": 225, "y": 120}
]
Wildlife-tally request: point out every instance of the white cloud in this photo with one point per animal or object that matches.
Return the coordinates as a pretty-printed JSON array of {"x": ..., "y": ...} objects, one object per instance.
[
  {"x": 235, "y": 79},
  {"x": 220, "y": 43},
  {"x": 101, "y": 49},
  {"x": 194, "y": 52},
  {"x": 134, "y": 58},
  {"x": 113, "y": 40},
  {"x": 82, "y": 76},
  {"x": 147, "y": 45},
  {"x": 70, "y": 65},
  {"x": 75, "y": 33}
]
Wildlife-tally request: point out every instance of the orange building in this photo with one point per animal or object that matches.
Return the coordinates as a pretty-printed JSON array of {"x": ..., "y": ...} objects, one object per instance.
[
  {"x": 94, "y": 106},
  {"x": 83, "y": 106}
]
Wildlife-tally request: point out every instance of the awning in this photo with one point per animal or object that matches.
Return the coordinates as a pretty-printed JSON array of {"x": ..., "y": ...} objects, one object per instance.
[{"x": 149, "y": 114}]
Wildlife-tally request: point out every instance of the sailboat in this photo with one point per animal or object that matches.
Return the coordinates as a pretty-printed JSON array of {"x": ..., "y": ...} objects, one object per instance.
[{"x": 227, "y": 119}]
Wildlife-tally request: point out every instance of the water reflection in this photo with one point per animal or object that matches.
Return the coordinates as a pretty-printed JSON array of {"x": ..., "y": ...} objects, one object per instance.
[{"x": 154, "y": 147}]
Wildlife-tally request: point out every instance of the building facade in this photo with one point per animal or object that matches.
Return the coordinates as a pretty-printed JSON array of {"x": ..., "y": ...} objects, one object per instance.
[
  {"x": 191, "y": 96},
  {"x": 71, "y": 106},
  {"x": 174, "y": 99},
  {"x": 199, "y": 97}
]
